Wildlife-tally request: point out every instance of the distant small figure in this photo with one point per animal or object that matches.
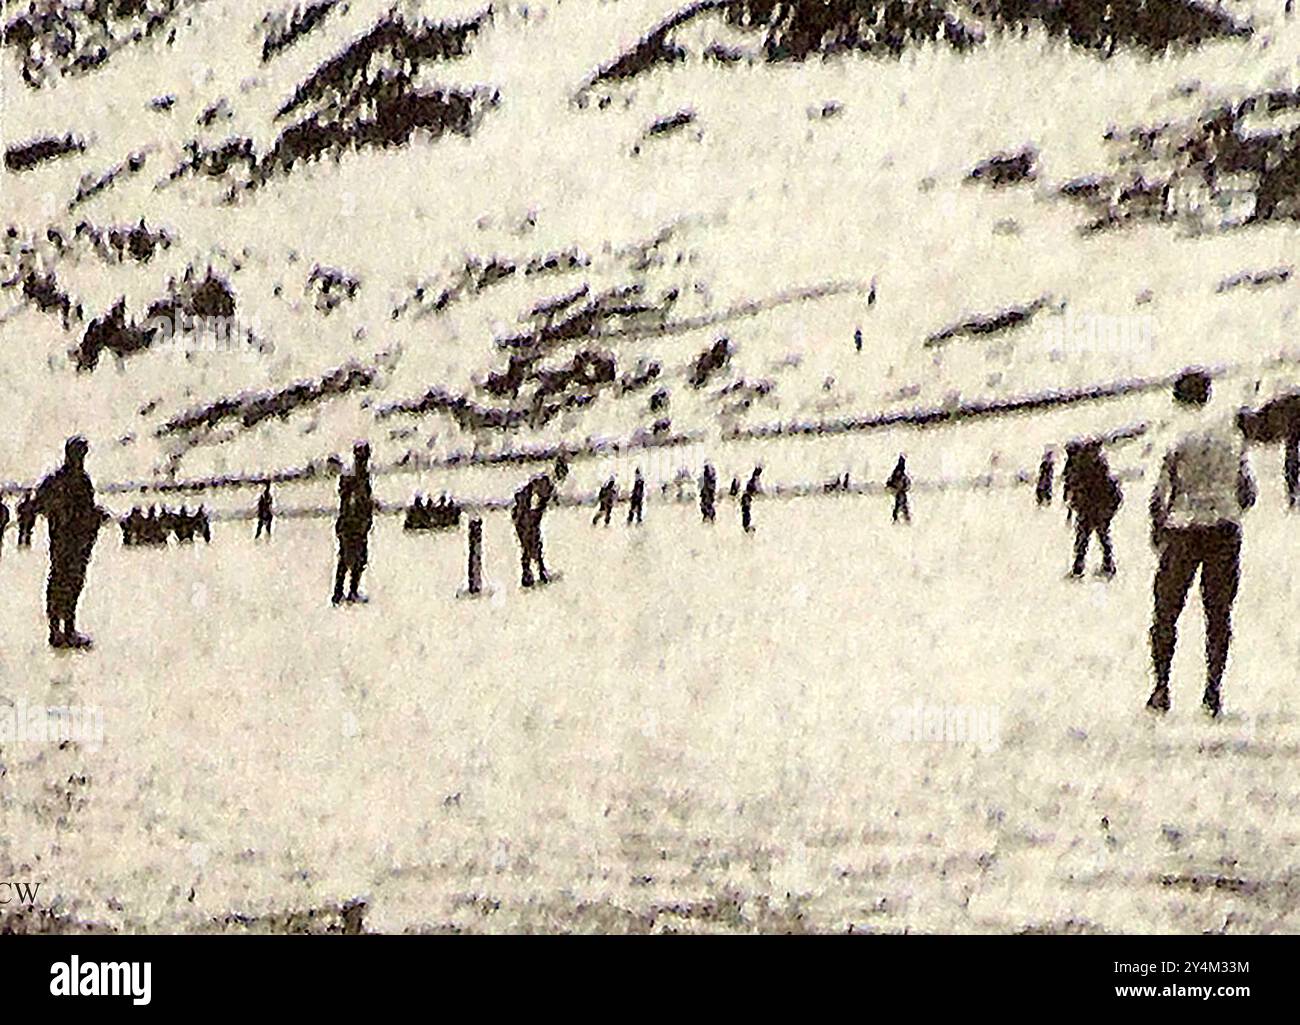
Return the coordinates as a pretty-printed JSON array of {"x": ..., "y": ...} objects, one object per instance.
[
  {"x": 26, "y": 519},
  {"x": 857, "y": 339},
  {"x": 131, "y": 526},
  {"x": 204, "y": 524},
  {"x": 417, "y": 515},
  {"x": 1205, "y": 485},
  {"x": 747, "y": 500},
  {"x": 352, "y": 526},
  {"x": 871, "y": 295},
  {"x": 265, "y": 513},
  {"x": 151, "y": 532},
  {"x": 4, "y": 523},
  {"x": 708, "y": 493},
  {"x": 529, "y": 507},
  {"x": 735, "y": 486},
  {"x": 185, "y": 525},
  {"x": 900, "y": 484},
  {"x": 636, "y": 504},
  {"x": 1092, "y": 496},
  {"x": 605, "y": 501},
  {"x": 1046, "y": 477},
  {"x": 66, "y": 498}
]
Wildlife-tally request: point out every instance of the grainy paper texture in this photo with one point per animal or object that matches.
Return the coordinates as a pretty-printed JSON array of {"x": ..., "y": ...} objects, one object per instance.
[{"x": 571, "y": 241}]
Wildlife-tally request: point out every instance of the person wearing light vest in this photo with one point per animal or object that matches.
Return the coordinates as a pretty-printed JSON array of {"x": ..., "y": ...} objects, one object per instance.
[{"x": 1204, "y": 486}]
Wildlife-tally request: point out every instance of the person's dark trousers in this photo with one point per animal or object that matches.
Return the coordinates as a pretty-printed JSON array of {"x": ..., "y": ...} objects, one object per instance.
[
  {"x": 263, "y": 525},
  {"x": 1292, "y": 470},
  {"x": 537, "y": 556},
  {"x": 62, "y": 592},
  {"x": 634, "y": 511},
  {"x": 530, "y": 551},
  {"x": 1084, "y": 527},
  {"x": 352, "y": 561},
  {"x": 525, "y": 562},
  {"x": 1216, "y": 551},
  {"x": 900, "y": 507}
]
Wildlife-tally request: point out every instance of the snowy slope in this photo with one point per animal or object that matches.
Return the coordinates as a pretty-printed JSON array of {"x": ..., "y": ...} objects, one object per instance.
[{"x": 760, "y": 196}]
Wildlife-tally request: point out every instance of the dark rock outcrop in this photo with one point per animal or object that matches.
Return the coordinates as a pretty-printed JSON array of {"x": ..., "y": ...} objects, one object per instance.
[{"x": 25, "y": 156}]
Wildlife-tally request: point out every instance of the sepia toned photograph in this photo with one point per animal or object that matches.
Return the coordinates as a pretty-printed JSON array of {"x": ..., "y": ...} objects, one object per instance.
[{"x": 644, "y": 467}]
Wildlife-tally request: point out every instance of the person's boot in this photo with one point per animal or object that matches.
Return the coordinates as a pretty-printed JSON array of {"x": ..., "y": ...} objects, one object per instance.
[
  {"x": 1159, "y": 700},
  {"x": 1212, "y": 702},
  {"x": 72, "y": 639},
  {"x": 57, "y": 638}
]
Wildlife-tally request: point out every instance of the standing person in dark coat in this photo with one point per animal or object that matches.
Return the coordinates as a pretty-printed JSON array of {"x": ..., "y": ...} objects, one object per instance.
[
  {"x": 4, "y": 523},
  {"x": 605, "y": 502},
  {"x": 26, "y": 520},
  {"x": 708, "y": 493},
  {"x": 529, "y": 507},
  {"x": 900, "y": 484},
  {"x": 1204, "y": 486},
  {"x": 1046, "y": 478},
  {"x": 66, "y": 498},
  {"x": 355, "y": 518},
  {"x": 1093, "y": 496},
  {"x": 1278, "y": 420},
  {"x": 1291, "y": 461},
  {"x": 752, "y": 488},
  {"x": 636, "y": 504},
  {"x": 265, "y": 513}
]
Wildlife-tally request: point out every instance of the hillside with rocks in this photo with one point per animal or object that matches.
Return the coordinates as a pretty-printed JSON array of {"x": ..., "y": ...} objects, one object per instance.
[{"x": 389, "y": 221}]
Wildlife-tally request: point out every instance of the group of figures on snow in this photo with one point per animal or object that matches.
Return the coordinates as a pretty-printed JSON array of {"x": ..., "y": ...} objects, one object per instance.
[{"x": 1203, "y": 488}]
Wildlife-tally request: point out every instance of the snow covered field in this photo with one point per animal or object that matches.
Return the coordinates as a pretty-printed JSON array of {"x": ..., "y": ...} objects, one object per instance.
[
  {"x": 693, "y": 729},
  {"x": 702, "y": 739}
]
